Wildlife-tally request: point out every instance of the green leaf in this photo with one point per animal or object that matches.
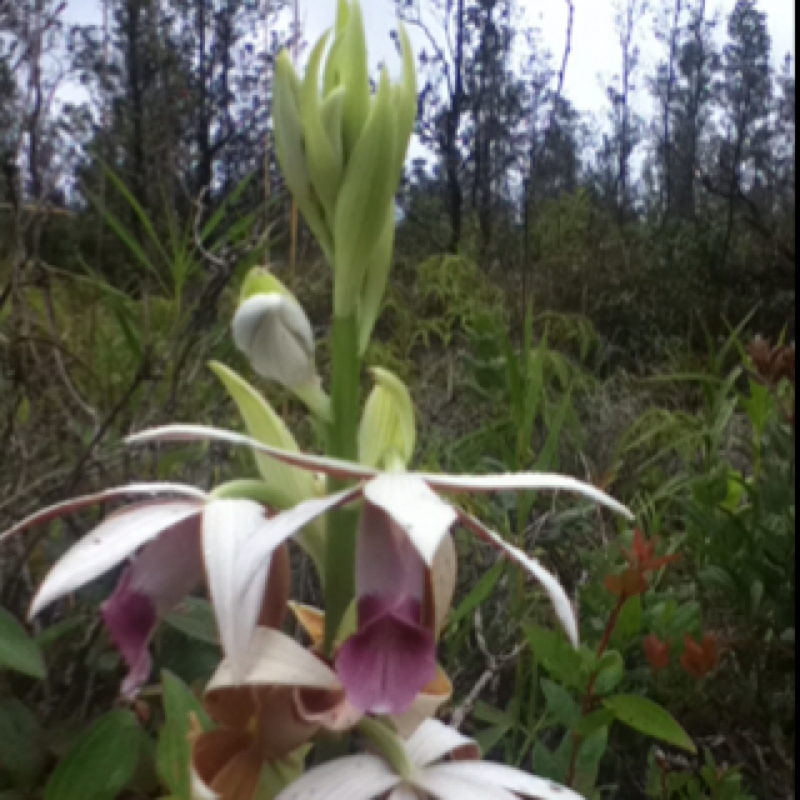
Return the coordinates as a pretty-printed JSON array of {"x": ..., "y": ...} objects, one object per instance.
[
  {"x": 649, "y": 718},
  {"x": 102, "y": 763},
  {"x": 556, "y": 655},
  {"x": 610, "y": 672},
  {"x": 18, "y": 651},
  {"x": 629, "y": 624},
  {"x": 195, "y": 617},
  {"x": 264, "y": 424},
  {"x": 173, "y": 753},
  {"x": 594, "y": 721},
  {"x": 587, "y": 765},
  {"x": 49, "y": 636},
  {"x": 23, "y": 755},
  {"x": 478, "y": 596},
  {"x": 547, "y": 764},
  {"x": 127, "y": 239},
  {"x": 561, "y": 704}
]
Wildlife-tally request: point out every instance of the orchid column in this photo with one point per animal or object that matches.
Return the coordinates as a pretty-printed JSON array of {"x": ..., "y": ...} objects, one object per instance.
[{"x": 341, "y": 150}]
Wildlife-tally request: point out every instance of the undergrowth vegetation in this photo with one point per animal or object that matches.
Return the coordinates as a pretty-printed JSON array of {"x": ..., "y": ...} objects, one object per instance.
[{"x": 693, "y": 613}]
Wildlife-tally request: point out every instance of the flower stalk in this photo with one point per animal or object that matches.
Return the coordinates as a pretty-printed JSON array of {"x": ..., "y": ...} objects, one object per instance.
[{"x": 342, "y": 443}]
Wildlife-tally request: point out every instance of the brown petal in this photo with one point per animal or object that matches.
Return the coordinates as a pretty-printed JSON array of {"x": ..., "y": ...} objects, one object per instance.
[
  {"x": 239, "y": 779},
  {"x": 231, "y": 706},
  {"x": 276, "y": 594},
  {"x": 280, "y": 729},
  {"x": 214, "y": 751},
  {"x": 331, "y": 710}
]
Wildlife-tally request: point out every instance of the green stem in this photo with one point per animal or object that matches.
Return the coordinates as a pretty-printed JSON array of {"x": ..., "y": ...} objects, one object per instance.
[
  {"x": 342, "y": 443},
  {"x": 389, "y": 744},
  {"x": 588, "y": 700}
]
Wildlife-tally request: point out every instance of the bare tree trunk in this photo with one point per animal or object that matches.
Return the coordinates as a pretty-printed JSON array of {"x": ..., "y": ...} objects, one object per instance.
[{"x": 455, "y": 196}]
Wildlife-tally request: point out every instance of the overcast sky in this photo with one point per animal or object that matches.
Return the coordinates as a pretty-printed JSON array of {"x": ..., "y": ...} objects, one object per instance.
[{"x": 595, "y": 52}]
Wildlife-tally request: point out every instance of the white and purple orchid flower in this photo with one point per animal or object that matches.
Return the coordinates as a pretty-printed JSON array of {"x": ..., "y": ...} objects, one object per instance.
[{"x": 175, "y": 544}]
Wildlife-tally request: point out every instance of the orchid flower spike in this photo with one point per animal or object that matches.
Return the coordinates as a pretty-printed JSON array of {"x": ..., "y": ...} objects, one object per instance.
[
  {"x": 421, "y": 771},
  {"x": 341, "y": 148}
]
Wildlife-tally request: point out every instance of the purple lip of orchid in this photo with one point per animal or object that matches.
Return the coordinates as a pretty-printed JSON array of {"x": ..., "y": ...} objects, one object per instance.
[
  {"x": 130, "y": 617},
  {"x": 163, "y": 573},
  {"x": 391, "y": 658}
]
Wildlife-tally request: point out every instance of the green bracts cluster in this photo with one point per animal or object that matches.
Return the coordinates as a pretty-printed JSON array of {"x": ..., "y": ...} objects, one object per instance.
[{"x": 341, "y": 149}]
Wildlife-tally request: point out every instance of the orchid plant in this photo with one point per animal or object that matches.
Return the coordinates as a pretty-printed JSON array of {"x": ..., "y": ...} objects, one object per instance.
[{"x": 379, "y": 535}]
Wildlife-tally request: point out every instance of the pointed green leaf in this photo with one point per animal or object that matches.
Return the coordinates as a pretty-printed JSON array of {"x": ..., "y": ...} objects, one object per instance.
[
  {"x": 406, "y": 102},
  {"x": 290, "y": 150},
  {"x": 18, "y": 651},
  {"x": 364, "y": 200},
  {"x": 173, "y": 752},
  {"x": 610, "y": 672},
  {"x": 102, "y": 763},
  {"x": 649, "y": 718},
  {"x": 330, "y": 113},
  {"x": 556, "y": 655},
  {"x": 561, "y": 704},
  {"x": 23, "y": 756},
  {"x": 629, "y": 624},
  {"x": 264, "y": 424},
  {"x": 354, "y": 67},
  {"x": 325, "y": 164},
  {"x": 377, "y": 269},
  {"x": 195, "y": 618}
]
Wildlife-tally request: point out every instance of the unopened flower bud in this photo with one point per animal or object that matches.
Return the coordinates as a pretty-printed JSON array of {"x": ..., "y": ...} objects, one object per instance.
[
  {"x": 272, "y": 330},
  {"x": 387, "y": 435}
]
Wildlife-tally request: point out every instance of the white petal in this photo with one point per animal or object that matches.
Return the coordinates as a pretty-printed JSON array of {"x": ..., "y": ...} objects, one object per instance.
[
  {"x": 228, "y": 527},
  {"x": 108, "y": 544},
  {"x": 45, "y": 515},
  {"x": 498, "y": 775},
  {"x": 351, "y": 778},
  {"x": 419, "y": 511},
  {"x": 561, "y": 603},
  {"x": 514, "y": 482},
  {"x": 278, "y": 529},
  {"x": 403, "y": 793},
  {"x": 276, "y": 660},
  {"x": 433, "y": 741},
  {"x": 201, "y": 433},
  {"x": 453, "y": 787},
  {"x": 424, "y": 708}
]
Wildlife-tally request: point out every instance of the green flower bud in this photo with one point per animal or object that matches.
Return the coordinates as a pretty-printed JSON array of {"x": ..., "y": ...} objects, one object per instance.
[{"x": 388, "y": 432}]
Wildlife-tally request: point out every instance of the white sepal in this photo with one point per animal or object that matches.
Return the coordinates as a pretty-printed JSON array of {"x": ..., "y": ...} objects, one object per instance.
[
  {"x": 45, "y": 515},
  {"x": 555, "y": 591},
  {"x": 522, "y": 481},
  {"x": 352, "y": 778},
  {"x": 228, "y": 527},
  {"x": 109, "y": 544}
]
